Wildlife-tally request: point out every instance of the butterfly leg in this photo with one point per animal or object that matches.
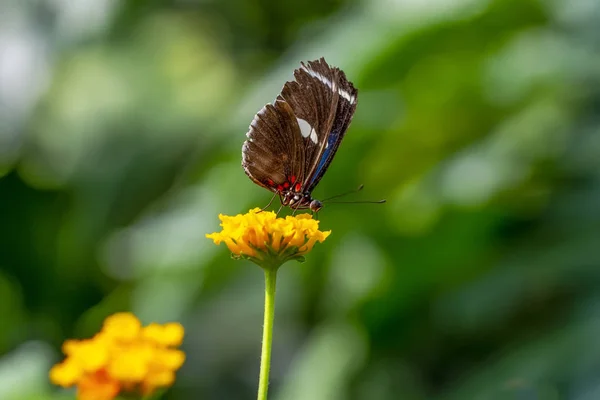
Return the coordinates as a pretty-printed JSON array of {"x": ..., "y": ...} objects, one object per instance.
[
  {"x": 296, "y": 209},
  {"x": 278, "y": 211},
  {"x": 269, "y": 204}
]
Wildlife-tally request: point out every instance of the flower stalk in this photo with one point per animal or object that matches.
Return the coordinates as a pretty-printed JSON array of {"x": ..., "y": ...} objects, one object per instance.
[{"x": 267, "y": 338}]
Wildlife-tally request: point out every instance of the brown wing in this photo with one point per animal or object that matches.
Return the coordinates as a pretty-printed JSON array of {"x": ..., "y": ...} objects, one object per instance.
[
  {"x": 322, "y": 96},
  {"x": 314, "y": 103},
  {"x": 274, "y": 151}
]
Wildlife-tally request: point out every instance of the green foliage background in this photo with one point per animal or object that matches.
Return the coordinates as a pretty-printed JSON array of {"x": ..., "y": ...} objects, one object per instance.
[{"x": 121, "y": 124}]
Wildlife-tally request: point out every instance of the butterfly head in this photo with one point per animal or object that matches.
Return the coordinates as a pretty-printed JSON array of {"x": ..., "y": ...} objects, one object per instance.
[{"x": 315, "y": 205}]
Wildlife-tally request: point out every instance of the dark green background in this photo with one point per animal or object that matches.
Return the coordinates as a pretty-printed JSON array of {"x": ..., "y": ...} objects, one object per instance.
[{"x": 121, "y": 125}]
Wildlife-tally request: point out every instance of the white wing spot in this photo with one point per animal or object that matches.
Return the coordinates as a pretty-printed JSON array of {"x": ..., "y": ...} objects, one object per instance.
[
  {"x": 307, "y": 131},
  {"x": 305, "y": 127}
]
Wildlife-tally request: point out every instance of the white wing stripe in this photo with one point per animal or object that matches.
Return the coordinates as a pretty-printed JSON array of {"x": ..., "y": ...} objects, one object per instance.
[{"x": 327, "y": 82}]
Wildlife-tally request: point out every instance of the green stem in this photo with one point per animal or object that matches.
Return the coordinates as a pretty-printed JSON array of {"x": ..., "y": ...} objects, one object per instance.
[{"x": 265, "y": 359}]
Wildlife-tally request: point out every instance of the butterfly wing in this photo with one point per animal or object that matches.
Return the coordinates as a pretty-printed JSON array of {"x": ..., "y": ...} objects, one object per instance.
[
  {"x": 292, "y": 142},
  {"x": 324, "y": 102},
  {"x": 274, "y": 151}
]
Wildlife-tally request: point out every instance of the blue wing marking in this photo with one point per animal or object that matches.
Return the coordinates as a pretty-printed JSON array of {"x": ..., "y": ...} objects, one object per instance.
[{"x": 331, "y": 140}]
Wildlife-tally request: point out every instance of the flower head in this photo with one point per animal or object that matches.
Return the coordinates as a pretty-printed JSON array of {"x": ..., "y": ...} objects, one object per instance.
[
  {"x": 123, "y": 357},
  {"x": 267, "y": 240}
]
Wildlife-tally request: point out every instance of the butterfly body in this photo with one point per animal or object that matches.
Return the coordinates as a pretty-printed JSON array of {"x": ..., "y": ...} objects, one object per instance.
[{"x": 292, "y": 141}]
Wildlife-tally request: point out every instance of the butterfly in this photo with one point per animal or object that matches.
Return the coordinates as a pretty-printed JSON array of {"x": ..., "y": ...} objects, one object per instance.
[{"x": 291, "y": 142}]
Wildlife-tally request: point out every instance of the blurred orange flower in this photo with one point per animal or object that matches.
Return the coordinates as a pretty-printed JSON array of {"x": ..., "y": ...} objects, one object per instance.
[
  {"x": 267, "y": 240},
  {"x": 123, "y": 357}
]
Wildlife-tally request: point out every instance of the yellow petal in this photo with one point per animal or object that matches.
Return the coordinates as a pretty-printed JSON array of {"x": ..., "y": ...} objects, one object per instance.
[
  {"x": 156, "y": 379},
  {"x": 90, "y": 355},
  {"x": 131, "y": 364},
  {"x": 66, "y": 373},
  {"x": 170, "y": 334},
  {"x": 122, "y": 326},
  {"x": 169, "y": 359},
  {"x": 98, "y": 387}
]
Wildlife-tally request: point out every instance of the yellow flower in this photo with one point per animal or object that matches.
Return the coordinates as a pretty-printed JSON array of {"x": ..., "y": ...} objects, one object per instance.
[
  {"x": 122, "y": 357},
  {"x": 267, "y": 240}
]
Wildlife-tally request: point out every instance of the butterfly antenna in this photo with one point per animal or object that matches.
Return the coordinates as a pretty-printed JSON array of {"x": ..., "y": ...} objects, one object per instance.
[
  {"x": 344, "y": 194},
  {"x": 359, "y": 202}
]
